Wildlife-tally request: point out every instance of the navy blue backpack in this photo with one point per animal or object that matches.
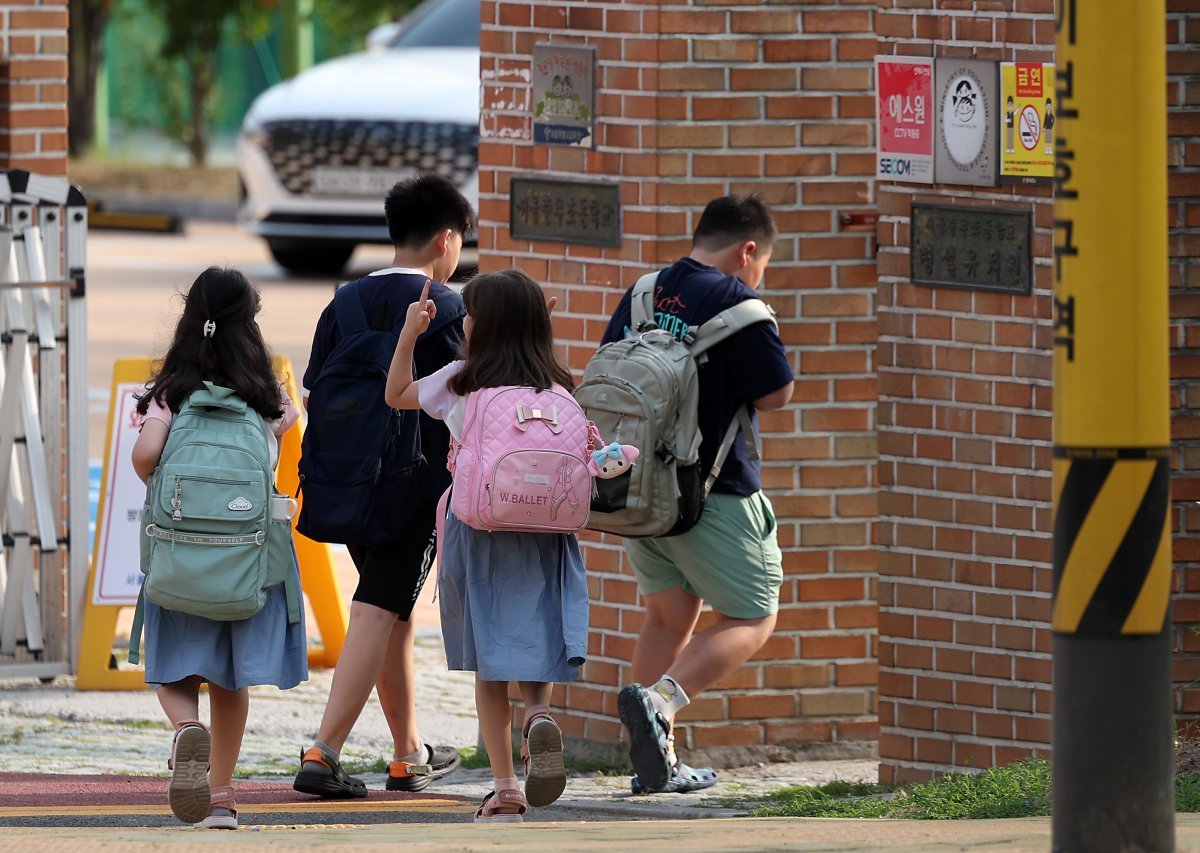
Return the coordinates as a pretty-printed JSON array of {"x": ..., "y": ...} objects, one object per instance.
[{"x": 362, "y": 471}]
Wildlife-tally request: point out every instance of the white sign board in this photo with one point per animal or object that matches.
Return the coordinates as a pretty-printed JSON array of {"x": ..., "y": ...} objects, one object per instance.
[{"x": 118, "y": 556}]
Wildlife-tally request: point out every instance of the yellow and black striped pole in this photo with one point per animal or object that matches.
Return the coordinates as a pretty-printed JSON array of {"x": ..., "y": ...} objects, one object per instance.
[{"x": 1113, "y": 759}]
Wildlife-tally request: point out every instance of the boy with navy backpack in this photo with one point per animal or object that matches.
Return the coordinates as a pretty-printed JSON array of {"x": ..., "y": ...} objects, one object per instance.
[
  {"x": 730, "y": 558},
  {"x": 371, "y": 477}
]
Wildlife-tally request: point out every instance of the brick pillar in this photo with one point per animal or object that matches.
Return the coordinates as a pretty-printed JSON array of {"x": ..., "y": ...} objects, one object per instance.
[
  {"x": 1183, "y": 187},
  {"x": 695, "y": 100},
  {"x": 33, "y": 86},
  {"x": 964, "y": 457}
]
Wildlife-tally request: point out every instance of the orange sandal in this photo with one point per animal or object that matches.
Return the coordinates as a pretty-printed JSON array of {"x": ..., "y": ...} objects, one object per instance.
[{"x": 504, "y": 806}]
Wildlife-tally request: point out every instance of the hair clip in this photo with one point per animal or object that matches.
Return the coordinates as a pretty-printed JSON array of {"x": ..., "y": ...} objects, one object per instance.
[{"x": 210, "y": 328}]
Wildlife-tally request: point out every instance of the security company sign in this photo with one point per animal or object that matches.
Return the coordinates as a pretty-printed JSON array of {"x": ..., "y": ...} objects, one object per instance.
[
  {"x": 966, "y": 98},
  {"x": 1027, "y": 142},
  {"x": 904, "y": 111}
]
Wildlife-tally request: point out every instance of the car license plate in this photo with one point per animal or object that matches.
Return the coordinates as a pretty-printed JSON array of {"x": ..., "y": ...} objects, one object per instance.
[{"x": 329, "y": 180}]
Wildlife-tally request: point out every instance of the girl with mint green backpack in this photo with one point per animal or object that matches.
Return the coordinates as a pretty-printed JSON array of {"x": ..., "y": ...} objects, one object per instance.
[{"x": 217, "y": 351}]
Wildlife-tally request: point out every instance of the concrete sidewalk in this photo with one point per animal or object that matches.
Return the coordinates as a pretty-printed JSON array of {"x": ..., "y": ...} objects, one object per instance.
[{"x": 758, "y": 834}]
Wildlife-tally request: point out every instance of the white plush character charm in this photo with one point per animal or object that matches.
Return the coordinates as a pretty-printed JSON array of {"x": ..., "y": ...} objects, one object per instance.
[{"x": 612, "y": 460}]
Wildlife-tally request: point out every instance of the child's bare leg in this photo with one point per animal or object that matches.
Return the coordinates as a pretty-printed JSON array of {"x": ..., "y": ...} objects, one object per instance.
[
  {"x": 535, "y": 693},
  {"x": 394, "y": 687},
  {"x": 670, "y": 618},
  {"x": 495, "y": 724},
  {"x": 181, "y": 699},
  {"x": 229, "y": 709},
  {"x": 357, "y": 671}
]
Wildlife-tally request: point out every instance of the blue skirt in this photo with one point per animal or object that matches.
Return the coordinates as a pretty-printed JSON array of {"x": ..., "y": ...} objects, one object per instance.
[
  {"x": 514, "y": 606},
  {"x": 264, "y": 649}
]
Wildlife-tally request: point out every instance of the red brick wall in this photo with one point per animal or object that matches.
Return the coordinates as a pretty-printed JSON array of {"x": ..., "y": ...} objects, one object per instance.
[
  {"x": 964, "y": 457},
  {"x": 1183, "y": 163},
  {"x": 695, "y": 100},
  {"x": 33, "y": 86}
]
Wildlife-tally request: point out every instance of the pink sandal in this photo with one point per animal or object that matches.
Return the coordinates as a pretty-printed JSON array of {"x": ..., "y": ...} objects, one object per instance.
[
  {"x": 504, "y": 806},
  {"x": 188, "y": 792},
  {"x": 542, "y": 755},
  {"x": 222, "y": 813}
]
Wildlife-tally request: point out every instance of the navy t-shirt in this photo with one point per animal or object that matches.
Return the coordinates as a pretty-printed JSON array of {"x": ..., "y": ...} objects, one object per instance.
[
  {"x": 386, "y": 296},
  {"x": 739, "y": 370}
]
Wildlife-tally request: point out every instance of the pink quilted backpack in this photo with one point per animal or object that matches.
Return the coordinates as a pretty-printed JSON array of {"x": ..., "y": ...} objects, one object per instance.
[{"x": 522, "y": 463}]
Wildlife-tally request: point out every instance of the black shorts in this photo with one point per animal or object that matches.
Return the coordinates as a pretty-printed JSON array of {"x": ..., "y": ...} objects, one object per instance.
[{"x": 391, "y": 576}]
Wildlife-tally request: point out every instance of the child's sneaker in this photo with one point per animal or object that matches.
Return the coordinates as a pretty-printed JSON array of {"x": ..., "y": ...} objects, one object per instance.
[
  {"x": 222, "y": 812},
  {"x": 542, "y": 755},
  {"x": 188, "y": 792},
  {"x": 649, "y": 731}
]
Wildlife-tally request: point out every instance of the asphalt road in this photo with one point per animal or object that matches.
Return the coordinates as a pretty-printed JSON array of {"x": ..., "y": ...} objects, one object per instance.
[{"x": 134, "y": 286}]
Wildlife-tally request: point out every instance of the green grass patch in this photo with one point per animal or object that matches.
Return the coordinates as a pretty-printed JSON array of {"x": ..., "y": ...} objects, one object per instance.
[
  {"x": 1018, "y": 790},
  {"x": 1187, "y": 793}
]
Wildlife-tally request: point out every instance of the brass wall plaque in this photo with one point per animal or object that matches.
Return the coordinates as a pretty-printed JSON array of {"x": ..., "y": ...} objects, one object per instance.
[
  {"x": 979, "y": 248},
  {"x": 561, "y": 211}
]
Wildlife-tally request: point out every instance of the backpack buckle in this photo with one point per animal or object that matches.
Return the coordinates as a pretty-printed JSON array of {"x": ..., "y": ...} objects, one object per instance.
[
  {"x": 647, "y": 326},
  {"x": 689, "y": 338}
]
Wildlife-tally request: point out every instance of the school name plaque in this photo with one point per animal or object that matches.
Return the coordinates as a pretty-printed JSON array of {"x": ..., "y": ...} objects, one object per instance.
[
  {"x": 559, "y": 211},
  {"x": 980, "y": 248}
]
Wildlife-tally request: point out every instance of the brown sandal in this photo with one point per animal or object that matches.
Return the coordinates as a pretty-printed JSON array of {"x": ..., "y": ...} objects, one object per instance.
[
  {"x": 188, "y": 792},
  {"x": 504, "y": 806},
  {"x": 542, "y": 755}
]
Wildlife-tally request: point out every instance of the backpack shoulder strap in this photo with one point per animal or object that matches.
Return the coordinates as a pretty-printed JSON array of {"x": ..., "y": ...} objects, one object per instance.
[
  {"x": 135, "y": 632},
  {"x": 348, "y": 307},
  {"x": 731, "y": 321},
  {"x": 445, "y": 315},
  {"x": 641, "y": 303}
]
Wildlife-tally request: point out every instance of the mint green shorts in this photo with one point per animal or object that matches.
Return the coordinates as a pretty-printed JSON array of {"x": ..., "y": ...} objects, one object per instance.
[{"x": 731, "y": 559}]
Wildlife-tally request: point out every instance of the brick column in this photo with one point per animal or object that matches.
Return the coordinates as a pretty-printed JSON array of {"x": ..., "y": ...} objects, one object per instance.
[
  {"x": 33, "y": 86},
  {"x": 964, "y": 446},
  {"x": 695, "y": 100},
  {"x": 1183, "y": 187}
]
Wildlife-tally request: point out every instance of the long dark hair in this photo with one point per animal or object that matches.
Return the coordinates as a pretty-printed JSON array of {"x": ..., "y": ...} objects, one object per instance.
[
  {"x": 512, "y": 340},
  {"x": 233, "y": 355}
]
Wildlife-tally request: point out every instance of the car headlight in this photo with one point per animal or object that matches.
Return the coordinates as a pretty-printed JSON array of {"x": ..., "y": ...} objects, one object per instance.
[{"x": 253, "y": 130}]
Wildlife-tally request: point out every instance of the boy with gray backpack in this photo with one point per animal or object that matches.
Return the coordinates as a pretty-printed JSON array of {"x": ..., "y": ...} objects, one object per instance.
[{"x": 690, "y": 355}]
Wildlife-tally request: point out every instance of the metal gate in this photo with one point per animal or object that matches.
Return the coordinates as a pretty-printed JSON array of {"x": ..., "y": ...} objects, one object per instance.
[{"x": 43, "y": 424}]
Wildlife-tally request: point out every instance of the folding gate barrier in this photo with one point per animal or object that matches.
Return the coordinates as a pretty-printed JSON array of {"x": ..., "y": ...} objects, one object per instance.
[{"x": 43, "y": 424}]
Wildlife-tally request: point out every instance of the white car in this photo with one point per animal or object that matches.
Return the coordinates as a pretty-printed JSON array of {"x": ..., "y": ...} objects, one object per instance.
[{"x": 318, "y": 153}]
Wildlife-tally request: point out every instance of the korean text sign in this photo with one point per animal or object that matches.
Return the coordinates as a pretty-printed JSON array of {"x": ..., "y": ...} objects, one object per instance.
[{"x": 904, "y": 112}]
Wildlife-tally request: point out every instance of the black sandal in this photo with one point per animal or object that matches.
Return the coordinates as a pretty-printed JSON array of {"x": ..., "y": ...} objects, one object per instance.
[
  {"x": 407, "y": 776},
  {"x": 321, "y": 774}
]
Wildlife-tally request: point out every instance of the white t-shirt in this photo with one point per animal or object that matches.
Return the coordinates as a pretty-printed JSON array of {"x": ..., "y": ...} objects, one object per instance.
[{"x": 438, "y": 401}]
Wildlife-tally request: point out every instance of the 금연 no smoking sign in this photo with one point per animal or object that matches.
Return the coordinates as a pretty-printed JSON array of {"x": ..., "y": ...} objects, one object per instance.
[{"x": 1031, "y": 127}]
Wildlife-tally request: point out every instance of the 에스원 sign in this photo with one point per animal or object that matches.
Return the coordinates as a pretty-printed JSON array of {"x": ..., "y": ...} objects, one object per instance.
[{"x": 904, "y": 113}]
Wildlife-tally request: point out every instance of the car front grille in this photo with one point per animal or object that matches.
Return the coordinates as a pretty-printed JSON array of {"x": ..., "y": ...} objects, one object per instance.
[{"x": 297, "y": 148}]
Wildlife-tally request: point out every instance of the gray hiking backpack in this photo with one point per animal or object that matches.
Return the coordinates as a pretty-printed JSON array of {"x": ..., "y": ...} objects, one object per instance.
[
  {"x": 215, "y": 533},
  {"x": 644, "y": 391}
]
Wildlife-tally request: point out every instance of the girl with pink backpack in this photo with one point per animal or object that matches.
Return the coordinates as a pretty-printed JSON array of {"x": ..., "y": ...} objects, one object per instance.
[{"x": 514, "y": 601}]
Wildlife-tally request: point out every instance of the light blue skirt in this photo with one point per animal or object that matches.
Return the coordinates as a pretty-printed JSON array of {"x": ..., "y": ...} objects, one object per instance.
[
  {"x": 264, "y": 649},
  {"x": 514, "y": 606}
]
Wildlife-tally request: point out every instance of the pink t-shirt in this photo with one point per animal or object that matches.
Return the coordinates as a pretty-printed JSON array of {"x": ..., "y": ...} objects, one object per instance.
[{"x": 278, "y": 426}]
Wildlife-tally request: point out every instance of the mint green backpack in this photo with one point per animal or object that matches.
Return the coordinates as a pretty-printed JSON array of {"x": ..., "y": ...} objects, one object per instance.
[{"x": 215, "y": 533}]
